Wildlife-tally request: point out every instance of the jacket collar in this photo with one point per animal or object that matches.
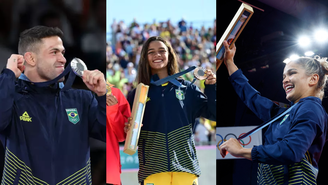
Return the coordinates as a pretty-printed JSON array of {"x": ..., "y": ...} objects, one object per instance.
[{"x": 24, "y": 78}]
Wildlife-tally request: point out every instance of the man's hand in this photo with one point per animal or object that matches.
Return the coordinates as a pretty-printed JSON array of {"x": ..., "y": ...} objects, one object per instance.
[
  {"x": 95, "y": 81},
  {"x": 16, "y": 64}
]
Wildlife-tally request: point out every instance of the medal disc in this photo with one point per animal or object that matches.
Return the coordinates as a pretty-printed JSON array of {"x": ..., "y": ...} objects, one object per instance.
[
  {"x": 200, "y": 73},
  {"x": 78, "y": 66}
]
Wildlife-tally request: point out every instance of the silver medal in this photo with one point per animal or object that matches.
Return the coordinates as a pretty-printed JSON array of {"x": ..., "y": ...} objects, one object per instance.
[{"x": 78, "y": 66}]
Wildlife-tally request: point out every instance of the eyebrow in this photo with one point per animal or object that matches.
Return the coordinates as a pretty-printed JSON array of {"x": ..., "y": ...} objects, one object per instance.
[
  {"x": 154, "y": 49},
  {"x": 57, "y": 49},
  {"x": 289, "y": 70}
]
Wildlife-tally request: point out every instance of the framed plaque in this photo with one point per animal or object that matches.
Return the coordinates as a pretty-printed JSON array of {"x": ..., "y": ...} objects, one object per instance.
[
  {"x": 139, "y": 104},
  {"x": 234, "y": 29}
]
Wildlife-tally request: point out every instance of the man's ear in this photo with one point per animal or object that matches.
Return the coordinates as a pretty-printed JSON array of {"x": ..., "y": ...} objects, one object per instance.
[
  {"x": 30, "y": 58},
  {"x": 314, "y": 79}
]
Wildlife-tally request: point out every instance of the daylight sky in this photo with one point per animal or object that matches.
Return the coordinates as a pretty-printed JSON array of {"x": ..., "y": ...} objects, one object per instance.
[{"x": 199, "y": 12}]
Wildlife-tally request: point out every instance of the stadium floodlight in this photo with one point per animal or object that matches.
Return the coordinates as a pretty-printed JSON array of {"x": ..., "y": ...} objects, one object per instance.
[
  {"x": 321, "y": 35},
  {"x": 294, "y": 57},
  {"x": 309, "y": 53},
  {"x": 286, "y": 60},
  {"x": 304, "y": 41}
]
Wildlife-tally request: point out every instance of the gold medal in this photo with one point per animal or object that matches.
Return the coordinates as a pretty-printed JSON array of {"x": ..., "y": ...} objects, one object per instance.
[{"x": 109, "y": 88}]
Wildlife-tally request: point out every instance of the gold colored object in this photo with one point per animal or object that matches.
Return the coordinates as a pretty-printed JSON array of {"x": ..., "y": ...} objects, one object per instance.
[
  {"x": 139, "y": 104},
  {"x": 232, "y": 32},
  {"x": 109, "y": 88}
]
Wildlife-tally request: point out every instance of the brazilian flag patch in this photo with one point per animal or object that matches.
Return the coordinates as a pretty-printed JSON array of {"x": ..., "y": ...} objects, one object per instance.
[
  {"x": 72, "y": 115},
  {"x": 179, "y": 94}
]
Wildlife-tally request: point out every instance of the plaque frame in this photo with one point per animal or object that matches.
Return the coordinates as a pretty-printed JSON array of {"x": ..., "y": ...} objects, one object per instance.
[{"x": 233, "y": 31}]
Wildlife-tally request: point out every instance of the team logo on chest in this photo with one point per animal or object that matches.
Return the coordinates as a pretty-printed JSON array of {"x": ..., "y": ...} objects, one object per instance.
[
  {"x": 179, "y": 94},
  {"x": 72, "y": 115},
  {"x": 25, "y": 117}
]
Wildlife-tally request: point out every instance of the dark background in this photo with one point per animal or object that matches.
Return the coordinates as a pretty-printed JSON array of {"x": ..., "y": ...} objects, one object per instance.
[
  {"x": 268, "y": 38},
  {"x": 84, "y": 25}
]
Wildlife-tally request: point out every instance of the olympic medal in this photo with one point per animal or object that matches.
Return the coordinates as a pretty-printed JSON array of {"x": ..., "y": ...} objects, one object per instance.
[
  {"x": 78, "y": 66},
  {"x": 200, "y": 73},
  {"x": 109, "y": 88}
]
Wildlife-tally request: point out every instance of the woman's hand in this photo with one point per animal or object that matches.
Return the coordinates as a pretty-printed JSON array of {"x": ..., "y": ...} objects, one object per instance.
[
  {"x": 211, "y": 77},
  {"x": 229, "y": 53},
  {"x": 128, "y": 125},
  {"x": 233, "y": 147},
  {"x": 228, "y": 57}
]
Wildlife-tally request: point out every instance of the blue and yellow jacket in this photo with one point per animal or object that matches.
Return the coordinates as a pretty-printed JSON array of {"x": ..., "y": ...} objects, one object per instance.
[
  {"x": 292, "y": 144},
  {"x": 166, "y": 142},
  {"x": 45, "y": 132}
]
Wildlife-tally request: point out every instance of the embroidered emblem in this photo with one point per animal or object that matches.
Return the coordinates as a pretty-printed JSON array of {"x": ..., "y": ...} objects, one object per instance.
[
  {"x": 72, "y": 115},
  {"x": 284, "y": 118},
  {"x": 148, "y": 99},
  {"x": 150, "y": 184},
  {"x": 25, "y": 117},
  {"x": 179, "y": 94}
]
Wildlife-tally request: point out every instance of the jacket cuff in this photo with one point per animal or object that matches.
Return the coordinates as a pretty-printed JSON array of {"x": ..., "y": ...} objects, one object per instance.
[
  {"x": 254, "y": 154},
  {"x": 209, "y": 88},
  {"x": 101, "y": 100},
  {"x": 8, "y": 72},
  {"x": 235, "y": 75}
]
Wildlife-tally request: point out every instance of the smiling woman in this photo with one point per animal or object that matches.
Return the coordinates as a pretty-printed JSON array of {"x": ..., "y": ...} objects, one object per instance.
[
  {"x": 293, "y": 143},
  {"x": 158, "y": 58},
  {"x": 312, "y": 71},
  {"x": 166, "y": 152}
]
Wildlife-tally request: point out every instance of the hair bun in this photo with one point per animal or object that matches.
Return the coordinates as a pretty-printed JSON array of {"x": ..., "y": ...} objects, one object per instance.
[{"x": 324, "y": 63}]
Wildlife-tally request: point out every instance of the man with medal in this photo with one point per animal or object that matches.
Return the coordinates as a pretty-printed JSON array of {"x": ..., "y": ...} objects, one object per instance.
[{"x": 44, "y": 125}]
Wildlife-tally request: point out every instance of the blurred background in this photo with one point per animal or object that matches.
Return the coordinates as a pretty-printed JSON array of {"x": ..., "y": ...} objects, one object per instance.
[
  {"x": 84, "y": 25},
  {"x": 190, "y": 27},
  {"x": 278, "y": 30}
]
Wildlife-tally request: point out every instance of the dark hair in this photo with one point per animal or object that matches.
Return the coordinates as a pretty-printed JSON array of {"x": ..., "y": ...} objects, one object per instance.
[
  {"x": 30, "y": 38},
  {"x": 144, "y": 72}
]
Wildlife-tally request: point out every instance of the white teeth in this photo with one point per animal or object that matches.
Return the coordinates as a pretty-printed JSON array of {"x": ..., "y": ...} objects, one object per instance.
[
  {"x": 156, "y": 61},
  {"x": 289, "y": 87}
]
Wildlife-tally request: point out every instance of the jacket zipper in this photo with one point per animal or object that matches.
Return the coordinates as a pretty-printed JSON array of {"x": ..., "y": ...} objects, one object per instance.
[
  {"x": 53, "y": 140},
  {"x": 166, "y": 139}
]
